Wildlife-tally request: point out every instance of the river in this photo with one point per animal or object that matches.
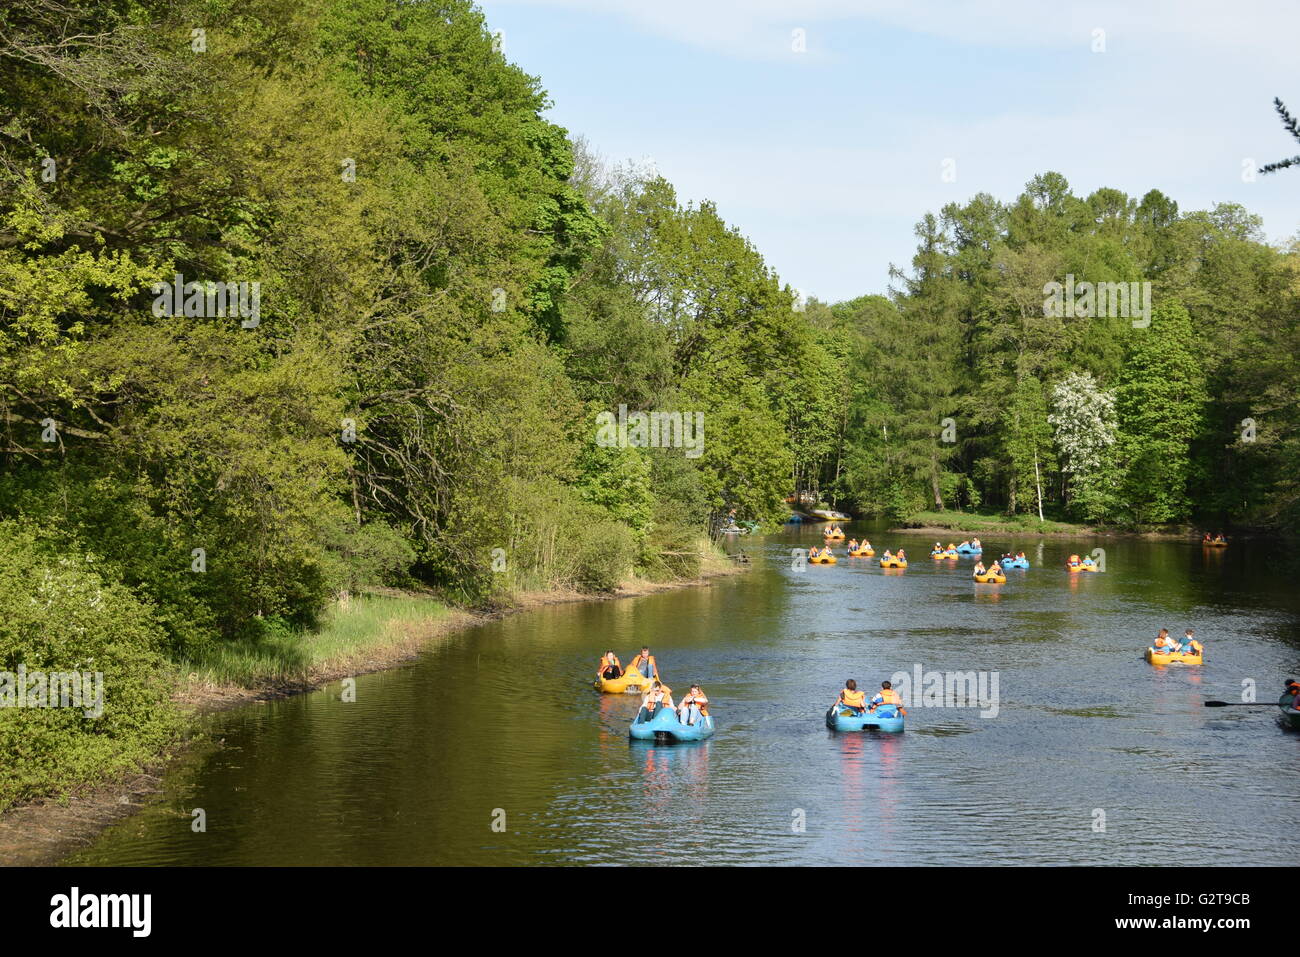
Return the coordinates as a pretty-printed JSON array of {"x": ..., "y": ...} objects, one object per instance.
[{"x": 493, "y": 748}]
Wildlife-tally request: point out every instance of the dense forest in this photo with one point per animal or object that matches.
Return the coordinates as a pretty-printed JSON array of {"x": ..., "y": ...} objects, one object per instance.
[{"x": 300, "y": 297}]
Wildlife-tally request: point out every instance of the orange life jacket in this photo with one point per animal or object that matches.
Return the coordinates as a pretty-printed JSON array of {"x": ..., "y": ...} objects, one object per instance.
[
  {"x": 854, "y": 699},
  {"x": 889, "y": 696},
  {"x": 699, "y": 700}
]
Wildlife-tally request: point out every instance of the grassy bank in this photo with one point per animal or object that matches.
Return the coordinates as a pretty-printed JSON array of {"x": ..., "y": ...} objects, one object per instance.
[
  {"x": 986, "y": 524},
  {"x": 349, "y": 635}
]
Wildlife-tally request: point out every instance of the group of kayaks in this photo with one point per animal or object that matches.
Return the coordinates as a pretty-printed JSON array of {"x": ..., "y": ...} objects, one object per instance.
[
  {"x": 660, "y": 721},
  {"x": 664, "y": 723}
]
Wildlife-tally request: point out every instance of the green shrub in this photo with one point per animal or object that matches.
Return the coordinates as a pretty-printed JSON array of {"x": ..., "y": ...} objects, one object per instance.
[{"x": 58, "y": 614}]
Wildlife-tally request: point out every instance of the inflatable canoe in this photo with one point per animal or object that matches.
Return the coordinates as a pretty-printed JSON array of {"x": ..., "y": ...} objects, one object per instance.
[
  {"x": 991, "y": 579},
  {"x": 1176, "y": 657},
  {"x": 944, "y": 554},
  {"x": 632, "y": 682},
  {"x": 893, "y": 563},
  {"x": 862, "y": 553},
  {"x": 837, "y": 537},
  {"x": 967, "y": 550},
  {"x": 885, "y": 718},
  {"x": 664, "y": 726},
  {"x": 1015, "y": 563},
  {"x": 1089, "y": 567},
  {"x": 823, "y": 560},
  {"x": 1289, "y": 714}
]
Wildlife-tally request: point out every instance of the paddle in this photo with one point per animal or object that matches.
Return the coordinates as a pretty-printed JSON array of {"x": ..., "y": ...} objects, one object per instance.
[{"x": 1240, "y": 704}]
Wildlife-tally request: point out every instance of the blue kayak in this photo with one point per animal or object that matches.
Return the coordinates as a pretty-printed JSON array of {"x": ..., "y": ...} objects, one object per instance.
[
  {"x": 884, "y": 718},
  {"x": 1015, "y": 563},
  {"x": 967, "y": 550},
  {"x": 664, "y": 725}
]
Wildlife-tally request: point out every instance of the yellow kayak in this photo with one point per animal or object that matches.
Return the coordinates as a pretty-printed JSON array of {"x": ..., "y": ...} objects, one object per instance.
[
  {"x": 1169, "y": 658},
  {"x": 631, "y": 682},
  {"x": 893, "y": 563},
  {"x": 991, "y": 579}
]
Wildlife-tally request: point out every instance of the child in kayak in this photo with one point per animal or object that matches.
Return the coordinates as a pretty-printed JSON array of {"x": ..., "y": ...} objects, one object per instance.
[
  {"x": 693, "y": 707},
  {"x": 886, "y": 695},
  {"x": 1164, "y": 645},
  {"x": 610, "y": 668},
  {"x": 979, "y": 568},
  {"x": 851, "y": 699},
  {"x": 657, "y": 696},
  {"x": 1189, "y": 645}
]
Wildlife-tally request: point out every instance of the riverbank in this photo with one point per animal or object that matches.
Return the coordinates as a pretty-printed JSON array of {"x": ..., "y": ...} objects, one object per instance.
[
  {"x": 938, "y": 523},
  {"x": 372, "y": 633}
]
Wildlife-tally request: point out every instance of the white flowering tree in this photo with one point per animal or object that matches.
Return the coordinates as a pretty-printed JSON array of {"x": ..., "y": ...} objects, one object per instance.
[{"x": 1084, "y": 423}]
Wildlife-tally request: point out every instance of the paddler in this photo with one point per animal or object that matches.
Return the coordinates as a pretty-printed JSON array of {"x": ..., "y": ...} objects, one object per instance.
[
  {"x": 657, "y": 696},
  {"x": 645, "y": 663},
  {"x": 1164, "y": 645},
  {"x": 610, "y": 668},
  {"x": 887, "y": 695},
  {"x": 851, "y": 698},
  {"x": 1189, "y": 644},
  {"x": 694, "y": 706}
]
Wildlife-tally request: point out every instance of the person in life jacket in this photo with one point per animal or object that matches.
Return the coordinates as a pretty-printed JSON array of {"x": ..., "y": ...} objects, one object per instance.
[
  {"x": 952, "y": 547},
  {"x": 1164, "y": 645},
  {"x": 657, "y": 696},
  {"x": 901, "y": 556},
  {"x": 1293, "y": 689},
  {"x": 1020, "y": 556},
  {"x": 937, "y": 549},
  {"x": 864, "y": 545},
  {"x": 887, "y": 695},
  {"x": 1189, "y": 644},
  {"x": 645, "y": 663},
  {"x": 886, "y": 557},
  {"x": 851, "y": 698},
  {"x": 693, "y": 707},
  {"x": 995, "y": 568},
  {"x": 1073, "y": 562},
  {"x": 610, "y": 668}
]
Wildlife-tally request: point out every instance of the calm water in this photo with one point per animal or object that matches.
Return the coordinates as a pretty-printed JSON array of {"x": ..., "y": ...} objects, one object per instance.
[{"x": 504, "y": 717}]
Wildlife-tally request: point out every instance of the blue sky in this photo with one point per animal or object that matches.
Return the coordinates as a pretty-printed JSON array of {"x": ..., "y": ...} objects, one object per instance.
[{"x": 827, "y": 158}]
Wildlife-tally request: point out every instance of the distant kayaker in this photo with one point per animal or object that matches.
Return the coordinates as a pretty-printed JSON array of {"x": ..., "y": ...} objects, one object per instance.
[
  {"x": 1189, "y": 644},
  {"x": 901, "y": 556},
  {"x": 657, "y": 696},
  {"x": 979, "y": 568},
  {"x": 1164, "y": 645},
  {"x": 1293, "y": 689},
  {"x": 853, "y": 544},
  {"x": 645, "y": 663},
  {"x": 694, "y": 706},
  {"x": 851, "y": 698},
  {"x": 995, "y": 569},
  {"x": 610, "y": 668},
  {"x": 886, "y": 695}
]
